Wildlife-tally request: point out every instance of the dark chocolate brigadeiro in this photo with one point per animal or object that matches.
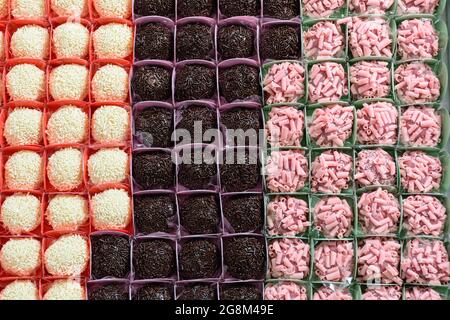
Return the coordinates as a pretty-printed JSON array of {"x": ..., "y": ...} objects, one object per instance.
[
  {"x": 244, "y": 257},
  {"x": 110, "y": 256},
  {"x": 196, "y": 170},
  {"x": 245, "y": 123},
  {"x": 280, "y": 42},
  {"x": 198, "y": 259},
  {"x": 153, "y": 292},
  {"x": 165, "y": 8},
  {"x": 154, "y": 127},
  {"x": 109, "y": 292},
  {"x": 281, "y": 9},
  {"x": 195, "y": 82},
  {"x": 198, "y": 292},
  {"x": 153, "y": 213},
  {"x": 239, "y": 82},
  {"x": 240, "y": 292},
  {"x": 196, "y": 115},
  {"x": 153, "y": 259},
  {"x": 235, "y": 41},
  {"x": 200, "y": 214},
  {"x": 154, "y": 170},
  {"x": 240, "y": 170},
  {"x": 196, "y": 8},
  {"x": 233, "y": 8},
  {"x": 152, "y": 83},
  {"x": 194, "y": 41},
  {"x": 244, "y": 212},
  {"x": 153, "y": 41}
]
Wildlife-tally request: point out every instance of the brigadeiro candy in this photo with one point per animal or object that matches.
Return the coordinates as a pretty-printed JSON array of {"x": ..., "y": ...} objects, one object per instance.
[
  {"x": 70, "y": 8},
  {"x": 25, "y": 82},
  {"x": 154, "y": 213},
  {"x": 285, "y": 290},
  {"x": 196, "y": 170},
  {"x": 198, "y": 292},
  {"x": 195, "y": 8},
  {"x": 240, "y": 292},
  {"x": 110, "y": 83},
  {"x": 244, "y": 257},
  {"x": 20, "y": 290},
  {"x": 419, "y": 171},
  {"x": 113, "y": 41},
  {"x": 375, "y": 167},
  {"x": 154, "y": 170},
  {"x": 194, "y": 41},
  {"x": 110, "y": 291},
  {"x": 65, "y": 169},
  {"x": 327, "y": 82},
  {"x": 244, "y": 123},
  {"x": 287, "y": 215},
  {"x": 111, "y": 209},
  {"x": 382, "y": 293},
  {"x": 370, "y": 79},
  {"x": 239, "y": 82},
  {"x": 324, "y": 40},
  {"x": 69, "y": 82},
  {"x": 240, "y": 170},
  {"x": 110, "y": 256},
  {"x": 195, "y": 82},
  {"x": 23, "y": 126},
  {"x": 417, "y": 38},
  {"x": 377, "y": 123},
  {"x": 280, "y": 42},
  {"x": 152, "y": 83},
  {"x": 288, "y": 258},
  {"x": 193, "y": 116},
  {"x": 70, "y": 40},
  {"x": 68, "y": 124},
  {"x": 332, "y": 293},
  {"x": 30, "y": 41},
  {"x": 67, "y": 212},
  {"x": 424, "y": 214},
  {"x": 331, "y": 172},
  {"x": 284, "y": 126},
  {"x": 198, "y": 259},
  {"x": 422, "y": 293},
  {"x": 287, "y": 170},
  {"x": 66, "y": 289},
  {"x": 108, "y": 166},
  {"x": 153, "y": 258},
  {"x": 235, "y": 41},
  {"x": 165, "y": 8},
  {"x": 334, "y": 260},
  {"x": 24, "y": 170},
  {"x": 110, "y": 124},
  {"x": 370, "y": 6},
  {"x": 321, "y": 8},
  {"x": 153, "y": 292},
  {"x": 200, "y": 214},
  {"x": 333, "y": 217},
  {"x": 28, "y": 9},
  {"x": 20, "y": 213},
  {"x": 154, "y": 126},
  {"x": 113, "y": 8},
  {"x": 420, "y": 126},
  {"x": 281, "y": 9},
  {"x": 153, "y": 41},
  {"x": 234, "y": 8},
  {"x": 244, "y": 212},
  {"x": 409, "y": 6},
  {"x": 21, "y": 256},
  {"x": 284, "y": 82}
]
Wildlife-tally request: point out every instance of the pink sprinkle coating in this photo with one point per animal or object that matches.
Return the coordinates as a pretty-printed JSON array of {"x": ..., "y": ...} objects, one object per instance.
[
  {"x": 379, "y": 260},
  {"x": 370, "y": 79},
  {"x": 375, "y": 167},
  {"x": 424, "y": 214},
  {"x": 333, "y": 260},
  {"x": 288, "y": 258},
  {"x": 327, "y": 82},
  {"x": 287, "y": 216},
  {"x": 333, "y": 217},
  {"x": 328, "y": 293},
  {"x": 377, "y": 123},
  {"x": 331, "y": 172},
  {"x": 285, "y": 126},
  {"x": 415, "y": 6},
  {"x": 382, "y": 293},
  {"x": 331, "y": 125},
  {"x": 420, "y": 126},
  {"x": 426, "y": 261},
  {"x": 324, "y": 40},
  {"x": 379, "y": 212},
  {"x": 370, "y": 6},
  {"x": 286, "y": 290},
  {"x": 287, "y": 171},
  {"x": 284, "y": 82},
  {"x": 416, "y": 82},
  {"x": 422, "y": 293},
  {"x": 419, "y": 171},
  {"x": 417, "y": 38},
  {"x": 321, "y": 8}
]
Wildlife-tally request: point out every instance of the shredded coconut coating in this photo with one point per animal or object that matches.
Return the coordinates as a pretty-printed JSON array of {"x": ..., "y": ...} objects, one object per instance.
[
  {"x": 21, "y": 213},
  {"x": 25, "y": 82},
  {"x": 24, "y": 170},
  {"x": 21, "y": 256},
  {"x": 67, "y": 212},
  {"x": 23, "y": 126}
]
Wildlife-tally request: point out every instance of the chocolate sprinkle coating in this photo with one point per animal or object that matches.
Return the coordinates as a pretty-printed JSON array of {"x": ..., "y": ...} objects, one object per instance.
[
  {"x": 198, "y": 292},
  {"x": 240, "y": 172},
  {"x": 110, "y": 256},
  {"x": 244, "y": 212},
  {"x": 196, "y": 8},
  {"x": 244, "y": 257},
  {"x": 154, "y": 126},
  {"x": 235, "y": 41},
  {"x": 200, "y": 214},
  {"x": 199, "y": 259},
  {"x": 151, "y": 83},
  {"x": 244, "y": 119},
  {"x": 200, "y": 172},
  {"x": 154, "y": 170},
  {"x": 109, "y": 292},
  {"x": 194, "y": 41},
  {"x": 153, "y": 41},
  {"x": 165, "y": 8},
  {"x": 240, "y": 292},
  {"x": 280, "y": 42},
  {"x": 152, "y": 213},
  {"x": 153, "y": 292},
  {"x": 191, "y": 114},
  {"x": 153, "y": 259},
  {"x": 239, "y": 82},
  {"x": 281, "y": 9},
  {"x": 195, "y": 82},
  {"x": 233, "y": 8}
]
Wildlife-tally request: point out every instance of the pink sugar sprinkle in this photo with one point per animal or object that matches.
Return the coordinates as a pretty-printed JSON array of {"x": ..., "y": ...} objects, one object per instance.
[
  {"x": 285, "y": 126},
  {"x": 424, "y": 215},
  {"x": 327, "y": 82},
  {"x": 382, "y": 293},
  {"x": 422, "y": 293},
  {"x": 370, "y": 6},
  {"x": 321, "y": 8},
  {"x": 287, "y": 216},
  {"x": 417, "y": 38},
  {"x": 415, "y": 6},
  {"x": 378, "y": 212},
  {"x": 379, "y": 260},
  {"x": 287, "y": 171},
  {"x": 370, "y": 79},
  {"x": 333, "y": 260},
  {"x": 426, "y": 261},
  {"x": 324, "y": 40},
  {"x": 331, "y": 125},
  {"x": 377, "y": 123},
  {"x": 332, "y": 293},
  {"x": 284, "y": 82},
  {"x": 420, "y": 126},
  {"x": 286, "y": 290},
  {"x": 288, "y": 258},
  {"x": 331, "y": 172},
  {"x": 375, "y": 167},
  {"x": 419, "y": 171},
  {"x": 416, "y": 82},
  {"x": 333, "y": 217}
]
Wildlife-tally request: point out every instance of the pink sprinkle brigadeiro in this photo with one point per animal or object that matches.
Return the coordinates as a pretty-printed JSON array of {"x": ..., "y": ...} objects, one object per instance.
[
  {"x": 287, "y": 171},
  {"x": 333, "y": 260},
  {"x": 420, "y": 127},
  {"x": 375, "y": 167},
  {"x": 327, "y": 82},
  {"x": 333, "y": 217},
  {"x": 416, "y": 82},
  {"x": 379, "y": 212},
  {"x": 284, "y": 82},
  {"x": 422, "y": 293},
  {"x": 377, "y": 123},
  {"x": 379, "y": 260},
  {"x": 321, "y": 8},
  {"x": 370, "y": 6},
  {"x": 382, "y": 293},
  {"x": 286, "y": 290},
  {"x": 415, "y": 6},
  {"x": 426, "y": 261},
  {"x": 419, "y": 171},
  {"x": 285, "y": 126},
  {"x": 324, "y": 40},
  {"x": 288, "y": 258},
  {"x": 417, "y": 38},
  {"x": 331, "y": 172},
  {"x": 370, "y": 79},
  {"x": 287, "y": 216},
  {"x": 331, "y": 125},
  {"x": 424, "y": 214},
  {"x": 328, "y": 293}
]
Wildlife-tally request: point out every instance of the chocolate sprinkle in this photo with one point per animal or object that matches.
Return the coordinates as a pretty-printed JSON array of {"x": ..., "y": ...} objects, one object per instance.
[
  {"x": 244, "y": 212},
  {"x": 199, "y": 173},
  {"x": 200, "y": 214},
  {"x": 281, "y": 9},
  {"x": 165, "y": 8},
  {"x": 153, "y": 41},
  {"x": 154, "y": 126},
  {"x": 196, "y": 8},
  {"x": 239, "y": 82},
  {"x": 153, "y": 292},
  {"x": 110, "y": 256},
  {"x": 233, "y": 8},
  {"x": 203, "y": 115},
  {"x": 109, "y": 292},
  {"x": 198, "y": 292},
  {"x": 194, "y": 41},
  {"x": 152, "y": 213},
  {"x": 151, "y": 83},
  {"x": 244, "y": 257},
  {"x": 235, "y": 41},
  {"x": 280, "y": 42},
  {"x": 245, "y": 123},
  {"x": 154, "y": 170},
  {"x": 240, "y": 292},
  {"x": 199, "y": 259},
  {"x": 195, "y": 82},
  {"x": 240, "y": 171},
  {"x": 153, "y": 259}
]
